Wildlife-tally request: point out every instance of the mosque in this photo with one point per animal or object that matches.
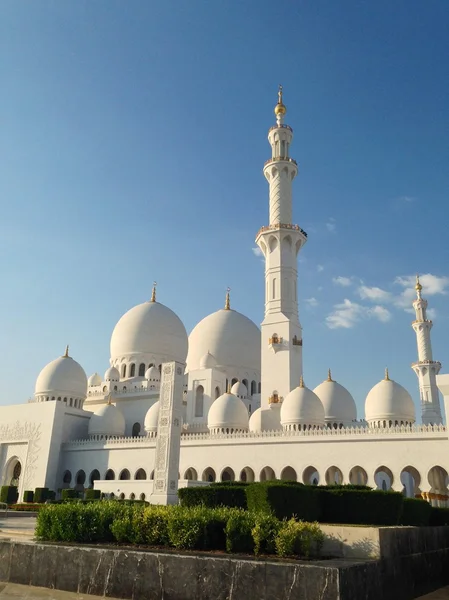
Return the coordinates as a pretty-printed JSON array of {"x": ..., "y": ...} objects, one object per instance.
[{"x": 247, "y": 412}]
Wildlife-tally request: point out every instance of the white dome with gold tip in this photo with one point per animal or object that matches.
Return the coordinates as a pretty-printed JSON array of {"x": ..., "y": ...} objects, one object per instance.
[
  {"x": 62, "y": 377},
  {"x": 152, "y": 419},
  {"x": 390, "y": 402},
  {"x": 227, "y": 414},
  {"x": 339, "y": 405},
  {"x": 265, "y": 419},
  {"x": 302, "y": 407},
  {"x": 108, "y": 420}
]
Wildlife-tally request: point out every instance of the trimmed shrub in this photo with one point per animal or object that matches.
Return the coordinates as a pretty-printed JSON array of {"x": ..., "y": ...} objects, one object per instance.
[
  {"x": 228, "y": 484},
  {"x": 415, "y": 512},
  {"x": 9, "y": 494},
  {"x": 238, "y": 530},
  {"x": 69, "y": 494},
  {"x": 361, "y": 507},
  {"x": 233, "y": 496},
  {"x": 299, "y": 539},
  {"x": 264, "y": 533},
  {"x": 92, "y": 495},
  {"x": 28, "y": 496},
  {"x": 439, "y": 516},
  {"x": 27, "y": 507},
  {"x": 40, "y": 495},
  {"x": 51, "y": 495},
  {"x": 284, "y": 500}
]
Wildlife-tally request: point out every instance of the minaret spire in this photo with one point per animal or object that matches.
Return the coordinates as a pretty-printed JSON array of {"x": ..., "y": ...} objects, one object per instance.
[
  {"x": 426, "y": 368},
  {"x": 228, "y": 299},
  {"x": 280, "y": 241},
  {"x": 153, "y": 292}
]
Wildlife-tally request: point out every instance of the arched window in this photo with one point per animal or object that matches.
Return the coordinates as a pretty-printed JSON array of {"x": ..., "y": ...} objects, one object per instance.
[
  {"x": 259, "y": 387},
  {"x": 141, "y": 370},
  {"x": 123, "y": 371},
  {"x": 132, "y": 370},
  {"x": 110, "y": 475},
  {"x": 94, "y": 476},
  {"x": 217, "y": 392},
  {"x": 67, "y": 477},
  {"x": 142, "y": 496},
  {"x": 140, "y": 474},
  {"x": 125, "y": 475},
  {"x": 234, "y": 380},
  {"x": 253, "y": 387},
  {"x": 136, "y": 430},
  {"x": 105, "y": 388},
  {"x": 199, "y": 401},
  {"x": 80, "y": 477}
]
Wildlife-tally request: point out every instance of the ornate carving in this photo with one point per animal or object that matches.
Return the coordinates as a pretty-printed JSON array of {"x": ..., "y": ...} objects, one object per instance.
[{"x": 29, "y": 433}]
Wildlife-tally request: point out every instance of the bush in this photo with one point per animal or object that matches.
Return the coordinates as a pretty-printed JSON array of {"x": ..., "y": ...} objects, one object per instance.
[
  {"x": 284, "y": 500},
  {"x": 233, "y": 496},
  {"x": 228, "y": 484},
  {"x": 299, "y": 538},
  {"x": 264, "y": 533},
  {"x": 69, "y": 494},
  {"x": 439, "y": 516},
  {"x": 415, "y": 512},
  {"x": 9, "y": 494},
  {"x": 28, "y": 496},
  {"x": 238, "y": 530},
  {"x": 51, "y": 495},
  {"x": 40, "y": 495},
  {"x": 197, "y": 528},
  {"x": 361, "y": 507},
  {"x": 27, "y": 507},
  {"x": 92, "y": 495}
]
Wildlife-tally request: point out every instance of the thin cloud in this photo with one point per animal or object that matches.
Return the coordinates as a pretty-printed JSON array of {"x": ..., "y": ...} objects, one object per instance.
[
  {"x": 331, "y": 225},
  {"x": 257, "y": 252},
  {"x": 312, "y": 302},
  {"x": 375, "y": 294},
  {"x": 348, "y": 314},
  {"x": 432, "y": 285},
  {"x": 320, "y": 268},
  {"x": 343, "y": 281}
]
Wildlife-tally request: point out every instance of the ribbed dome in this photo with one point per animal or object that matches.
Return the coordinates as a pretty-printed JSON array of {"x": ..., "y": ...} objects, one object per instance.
[
  {"x": 151, "y": 418},
  {"x": 152, "y": 374},
  {"x": 62, "y": 377},
  {"x": 208, "y": 361},
  {"x": 239, "y": 389},
  {"x": 389, "y": 401},
  {"x": 302, "y": 407},
  {"x": 231, "y": 338},
  {"x": 108, "y": 421},
  {"x": 339, "y": 405},
  {"x": 112, "y": 374},
  {"x": 227, "y": 412},
  {"x": 94, "y": 379},
  {"x": 265, "y": 419},
  {"x": 150, "y": 328}
]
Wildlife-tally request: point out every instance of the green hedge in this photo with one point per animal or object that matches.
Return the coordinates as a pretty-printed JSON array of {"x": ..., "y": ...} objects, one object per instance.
[
  {"x": 92, "y": 495},
  {"x": 284, "y": 500},
  {"x": 28, "y": 496},
  {"x": 41, "y": 495},
  {"x": 69, "y": 494},
  {"x": 233, "y": 496},
  {"x": 195, "y": 528},
  {"x": 9, "y": 494},
  {"x": 32, "y": 507},
  {"x": 415, "y": 512},
  {"x": 361, "y": 507},
  {"x": 439, "y": 516}
]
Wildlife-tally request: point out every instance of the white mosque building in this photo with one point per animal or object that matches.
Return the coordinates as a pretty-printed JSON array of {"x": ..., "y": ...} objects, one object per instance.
[{"x": 248, "y": 414}]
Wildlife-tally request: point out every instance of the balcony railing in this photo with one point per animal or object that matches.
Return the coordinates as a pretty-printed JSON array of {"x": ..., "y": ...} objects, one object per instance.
[
  {"x": 280, "y": 127},
  {"x": 281, "y": 226},
  {"x": 280, "y": 158}
]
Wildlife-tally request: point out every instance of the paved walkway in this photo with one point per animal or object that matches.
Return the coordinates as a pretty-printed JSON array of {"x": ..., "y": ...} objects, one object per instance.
[
  {"x": 13, "y": 591},
  {"x": 17, "y": 527}
]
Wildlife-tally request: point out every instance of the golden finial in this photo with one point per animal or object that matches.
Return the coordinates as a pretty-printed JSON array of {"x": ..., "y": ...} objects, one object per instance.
[
  {"x": 301, "y": 382},
  {"x": 329, "y": 375},
  {"x": 228, "y": 299},
  {"x": 280, "y": 109},
  {"x": 228, "y": 391},
  {"x": 418, "y": 286},
  {"x": 66, "y": 353},
  {"x": 387, "y": 377},
  {"x": 153, "y": 293}
]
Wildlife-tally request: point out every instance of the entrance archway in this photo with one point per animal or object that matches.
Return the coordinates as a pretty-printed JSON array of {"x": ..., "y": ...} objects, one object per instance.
[
  {"x": 411, "y": 480},
  {"x": 289, "y": 474},
  {"x": 247, "y": 475},
  {"x": 358, "y": 476},
  {"x": 383, "y": 478},
  {"x": 333, "y": 476},
  {"x": 267, "y": 474},
  {"x": 311, "y": 476}
]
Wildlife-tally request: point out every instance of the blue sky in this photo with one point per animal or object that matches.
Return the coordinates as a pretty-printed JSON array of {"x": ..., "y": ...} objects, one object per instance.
[{"x": 133, "y": 136}]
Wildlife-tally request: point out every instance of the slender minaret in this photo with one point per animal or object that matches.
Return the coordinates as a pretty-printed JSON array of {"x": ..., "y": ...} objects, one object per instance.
[
  {"x": 280, "y": 243},
  {"x": 426, "y": 368}
]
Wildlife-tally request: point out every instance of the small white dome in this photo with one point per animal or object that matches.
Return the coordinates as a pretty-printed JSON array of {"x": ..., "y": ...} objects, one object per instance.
[
  {"x": 94, "y": 379},
  {"x": 231, "y": 338},
  {"x": 389, "y": 401},
  {"x": 152, "y": 374},
  {"x": 62, "y": 377},
  {"x": 228, "y": 412},
  {"x": 112, "y": 374},
  {"x": 152, "y": 329},
  {"x": 339, "y": 405},
  {"x": 107, "y": 420},
  {"x": 208, "y": 361},
  {"x": 265, "y": 419},
  {"x": 302, "y": 407},
  {"x": 152, "y": 418},
  {"x": 239, "y": 389}
]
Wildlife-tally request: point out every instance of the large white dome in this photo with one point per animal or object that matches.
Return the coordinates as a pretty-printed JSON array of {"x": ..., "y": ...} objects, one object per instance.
[
  {"x": 108, "y": 420},
  {"x": 152, "y": 418},
  {"x": 265, "y": 419},
  {"x": 390, "y": 402},
  {"x": 227, "y": 413},
  {"x": 94, "y": 379},
  {"x": 339, "y": 405},
  {"x": 62, "y": 377},
  {"x": 150, "y": 328},
  {"x": 302, "y": 407},
  {"x": 231, "y": 338}
]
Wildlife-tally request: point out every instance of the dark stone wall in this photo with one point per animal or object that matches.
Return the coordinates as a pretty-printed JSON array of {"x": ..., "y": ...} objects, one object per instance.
[{"x": 148, "y": 575}]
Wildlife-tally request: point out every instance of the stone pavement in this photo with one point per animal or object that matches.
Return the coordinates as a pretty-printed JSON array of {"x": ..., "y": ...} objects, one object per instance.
[
  {"x": 13, "y": 591},
  {"x": 17, "y": 527}
]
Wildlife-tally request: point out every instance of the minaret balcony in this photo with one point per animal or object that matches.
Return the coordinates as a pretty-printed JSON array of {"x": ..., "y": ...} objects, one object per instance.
[
  {"x": 420, "y": 363},
  {"x": 275, "y": 226},
  {"x": 281, "y": 126},
  {"x": 280, "y": 158},
  {"x": 425, "y": 321}
]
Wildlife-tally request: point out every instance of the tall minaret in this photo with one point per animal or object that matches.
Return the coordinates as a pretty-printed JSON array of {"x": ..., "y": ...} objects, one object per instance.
[
  {"x": 280, "y": 242},
  {"x": 426, "y": 368}
]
